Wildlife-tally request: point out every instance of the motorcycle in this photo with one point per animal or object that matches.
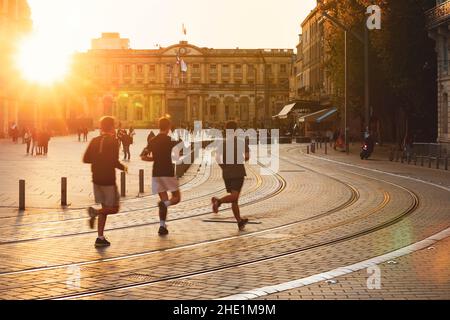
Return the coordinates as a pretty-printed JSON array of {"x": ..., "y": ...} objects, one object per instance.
[{"x": 365, "y": 152}]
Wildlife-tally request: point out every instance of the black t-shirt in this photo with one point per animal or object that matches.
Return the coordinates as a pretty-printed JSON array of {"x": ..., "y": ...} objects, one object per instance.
[
  {"x": 161, "y": 148},
  {"x": 234, "y": 168},
  {"x": 103, "y": 155}
]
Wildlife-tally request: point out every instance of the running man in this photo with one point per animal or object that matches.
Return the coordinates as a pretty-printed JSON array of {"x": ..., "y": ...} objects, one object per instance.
[
  {"x": 233, "y": 175},
  {"x": 103, "y": 155},
  {"x": 159, "y": 151}
]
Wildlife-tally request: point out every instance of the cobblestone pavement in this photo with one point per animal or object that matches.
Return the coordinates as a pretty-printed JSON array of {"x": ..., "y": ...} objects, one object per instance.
[{"x": 311, "y": 217}]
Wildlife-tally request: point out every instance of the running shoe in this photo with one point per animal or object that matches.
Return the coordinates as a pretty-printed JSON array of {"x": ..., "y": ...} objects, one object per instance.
[
  {"x": 242, "y": 224},
  {"x": 215, "y": 205},
  {"x": 102, "y": 243},
  {"x": 163, "y": 231},
  {"x": 92, "y": 216}
]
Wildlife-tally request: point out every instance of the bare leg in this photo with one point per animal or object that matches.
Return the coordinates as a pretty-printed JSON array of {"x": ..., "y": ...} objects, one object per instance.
[
  {"x": 236, "y": 211},
  {"x": 102, "y": 216},
  {"x": 163, "y": 213}
]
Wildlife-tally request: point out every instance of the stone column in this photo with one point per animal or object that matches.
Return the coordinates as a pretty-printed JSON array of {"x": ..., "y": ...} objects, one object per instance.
[
  {"x": 146, "y": 73},
  {"x": 219, "y": 73},
  {"x": 200, "y": 108},
  {"x": 120, "y": 73},
  {"x": 163, "y": 105},
  {"x": 6, "y": 114},
  {"x": 188, "y": 109},
  {"x": 221, "y": 110},
  {"x": 244, "y": 73}
]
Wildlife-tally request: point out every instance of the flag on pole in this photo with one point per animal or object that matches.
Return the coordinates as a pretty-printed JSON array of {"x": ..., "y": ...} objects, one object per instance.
[{"x": 184, "y": 30}]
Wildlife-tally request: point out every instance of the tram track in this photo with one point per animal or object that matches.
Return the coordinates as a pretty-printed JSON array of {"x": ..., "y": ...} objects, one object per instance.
[
  {"x": 394, "y": 220},
  {"x": 352, "y": 200}
]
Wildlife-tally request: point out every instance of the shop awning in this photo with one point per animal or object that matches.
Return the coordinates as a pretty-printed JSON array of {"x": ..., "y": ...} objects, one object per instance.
[
  {"x": 285, "y": 112},
  {"x": 319, "y": 116}
]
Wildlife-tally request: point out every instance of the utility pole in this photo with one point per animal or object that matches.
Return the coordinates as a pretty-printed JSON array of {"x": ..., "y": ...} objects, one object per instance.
[{"x": 365, "y": 41}]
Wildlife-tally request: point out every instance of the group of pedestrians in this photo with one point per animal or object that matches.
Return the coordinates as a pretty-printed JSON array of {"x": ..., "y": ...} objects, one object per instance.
[
  {"x": 103, "y": 155},
  {"x": 83, "y": 132},
  {"x": 36, "y": 141}
]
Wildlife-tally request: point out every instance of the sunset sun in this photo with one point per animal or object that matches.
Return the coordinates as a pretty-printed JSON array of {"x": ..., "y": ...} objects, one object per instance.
[{"x": 41, "y": 60}]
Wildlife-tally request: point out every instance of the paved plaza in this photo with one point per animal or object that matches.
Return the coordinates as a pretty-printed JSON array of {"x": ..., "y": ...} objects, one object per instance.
[{"x": 325, "y": 226}]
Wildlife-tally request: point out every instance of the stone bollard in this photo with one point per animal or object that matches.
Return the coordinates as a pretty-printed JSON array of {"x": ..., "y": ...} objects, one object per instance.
[
  {"x": 123, "y": 191},
  {"x": 141, "y": 181},
  {"x": 22, "y": 195},
  {"x": 64, "y": 192}
]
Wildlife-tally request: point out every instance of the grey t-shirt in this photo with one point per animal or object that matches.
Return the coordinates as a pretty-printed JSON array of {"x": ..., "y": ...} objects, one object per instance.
[{"x": 234, "y": 168}]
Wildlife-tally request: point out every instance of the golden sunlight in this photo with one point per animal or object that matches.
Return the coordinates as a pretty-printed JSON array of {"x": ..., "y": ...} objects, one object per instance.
[{"x": 42, "y": 60}]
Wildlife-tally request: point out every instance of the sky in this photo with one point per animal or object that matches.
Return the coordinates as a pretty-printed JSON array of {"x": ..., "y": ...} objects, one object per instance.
[{"x": 71, "y": 24}]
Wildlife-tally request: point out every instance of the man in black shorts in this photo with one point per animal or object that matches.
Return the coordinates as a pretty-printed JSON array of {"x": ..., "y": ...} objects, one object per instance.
[
  {"x": 103, "y": 155},
  {"x": 233, "y": 174},
  {"x": 159, "y": 151}
]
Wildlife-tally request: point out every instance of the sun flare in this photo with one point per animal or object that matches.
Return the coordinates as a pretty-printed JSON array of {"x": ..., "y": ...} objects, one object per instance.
[{"x": 42, "y": 60}]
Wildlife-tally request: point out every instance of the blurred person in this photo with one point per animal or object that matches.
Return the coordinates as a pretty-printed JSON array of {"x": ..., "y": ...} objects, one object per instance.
[
  {"x": 159, "y": 151},
  {"x": 233, "y": 175},
  {"x": 103, "y": 155}
]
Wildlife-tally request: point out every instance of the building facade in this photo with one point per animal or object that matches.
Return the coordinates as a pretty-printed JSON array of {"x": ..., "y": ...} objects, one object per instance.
[
  {"x": 15, "y": 21},
  {"x": 438, "y": 19},
  {"x": 184, "y": 81},
  {"x": 310, "y": 80}
]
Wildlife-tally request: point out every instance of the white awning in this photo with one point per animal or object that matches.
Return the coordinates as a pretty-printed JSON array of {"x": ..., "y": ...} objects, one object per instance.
[
  {"x": 285, "y": 112},
  {"x": 319, "y": 116}
]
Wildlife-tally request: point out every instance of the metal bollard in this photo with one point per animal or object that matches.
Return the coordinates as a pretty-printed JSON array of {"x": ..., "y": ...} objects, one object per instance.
[
  {"x": 123, "y": 191},
  {"x": 401, "y": 159},
  {"x": 63, "y": 192},
  {"x": 141, "y": 181},
  {"x": 396, "y": 156},
  {"x": 415, "y": 160},
  {"x": 22, "y": 195},
  {"x": 422, "y": 160},
  {"x": 429, "y": 162},
  {"x": 446, "y": 163},
  {"x": 326, "y": 148},
  {"x": 307, "y": 149},
  {"x": 438, "y": 163}
]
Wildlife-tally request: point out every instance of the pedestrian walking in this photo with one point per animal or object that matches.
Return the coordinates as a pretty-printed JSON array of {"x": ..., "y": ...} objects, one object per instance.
[
  {"x": 103, "y": 155},
  {"x": 120, "y": 134},
  {"x": 159, "y": 151},
  {"x": 34, "y": 141},
  {"x": 233, "y": 173},
  {"x": 27, "y": 139},
  {"x": 85, "y": 134},
  {"x": 79, "y": 134},
  {"x": 131, "y": 133},
  {"x": 126, "y": 142}
]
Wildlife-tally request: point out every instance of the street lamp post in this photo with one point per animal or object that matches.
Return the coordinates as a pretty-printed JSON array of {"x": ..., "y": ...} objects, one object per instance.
[{"x": 365, "y": 41}]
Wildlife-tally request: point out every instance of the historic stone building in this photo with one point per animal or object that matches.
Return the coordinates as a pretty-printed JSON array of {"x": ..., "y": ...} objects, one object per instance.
[
  {"x": 15, "y": 20},
  {"x": 438, "y": 24},
  {"x": 184, "y": 81},
  {"x": 310, "y": 80}
]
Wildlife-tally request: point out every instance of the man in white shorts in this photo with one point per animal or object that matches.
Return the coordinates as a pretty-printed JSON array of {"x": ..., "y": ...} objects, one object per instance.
[{"x": 159, "y": 151}]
